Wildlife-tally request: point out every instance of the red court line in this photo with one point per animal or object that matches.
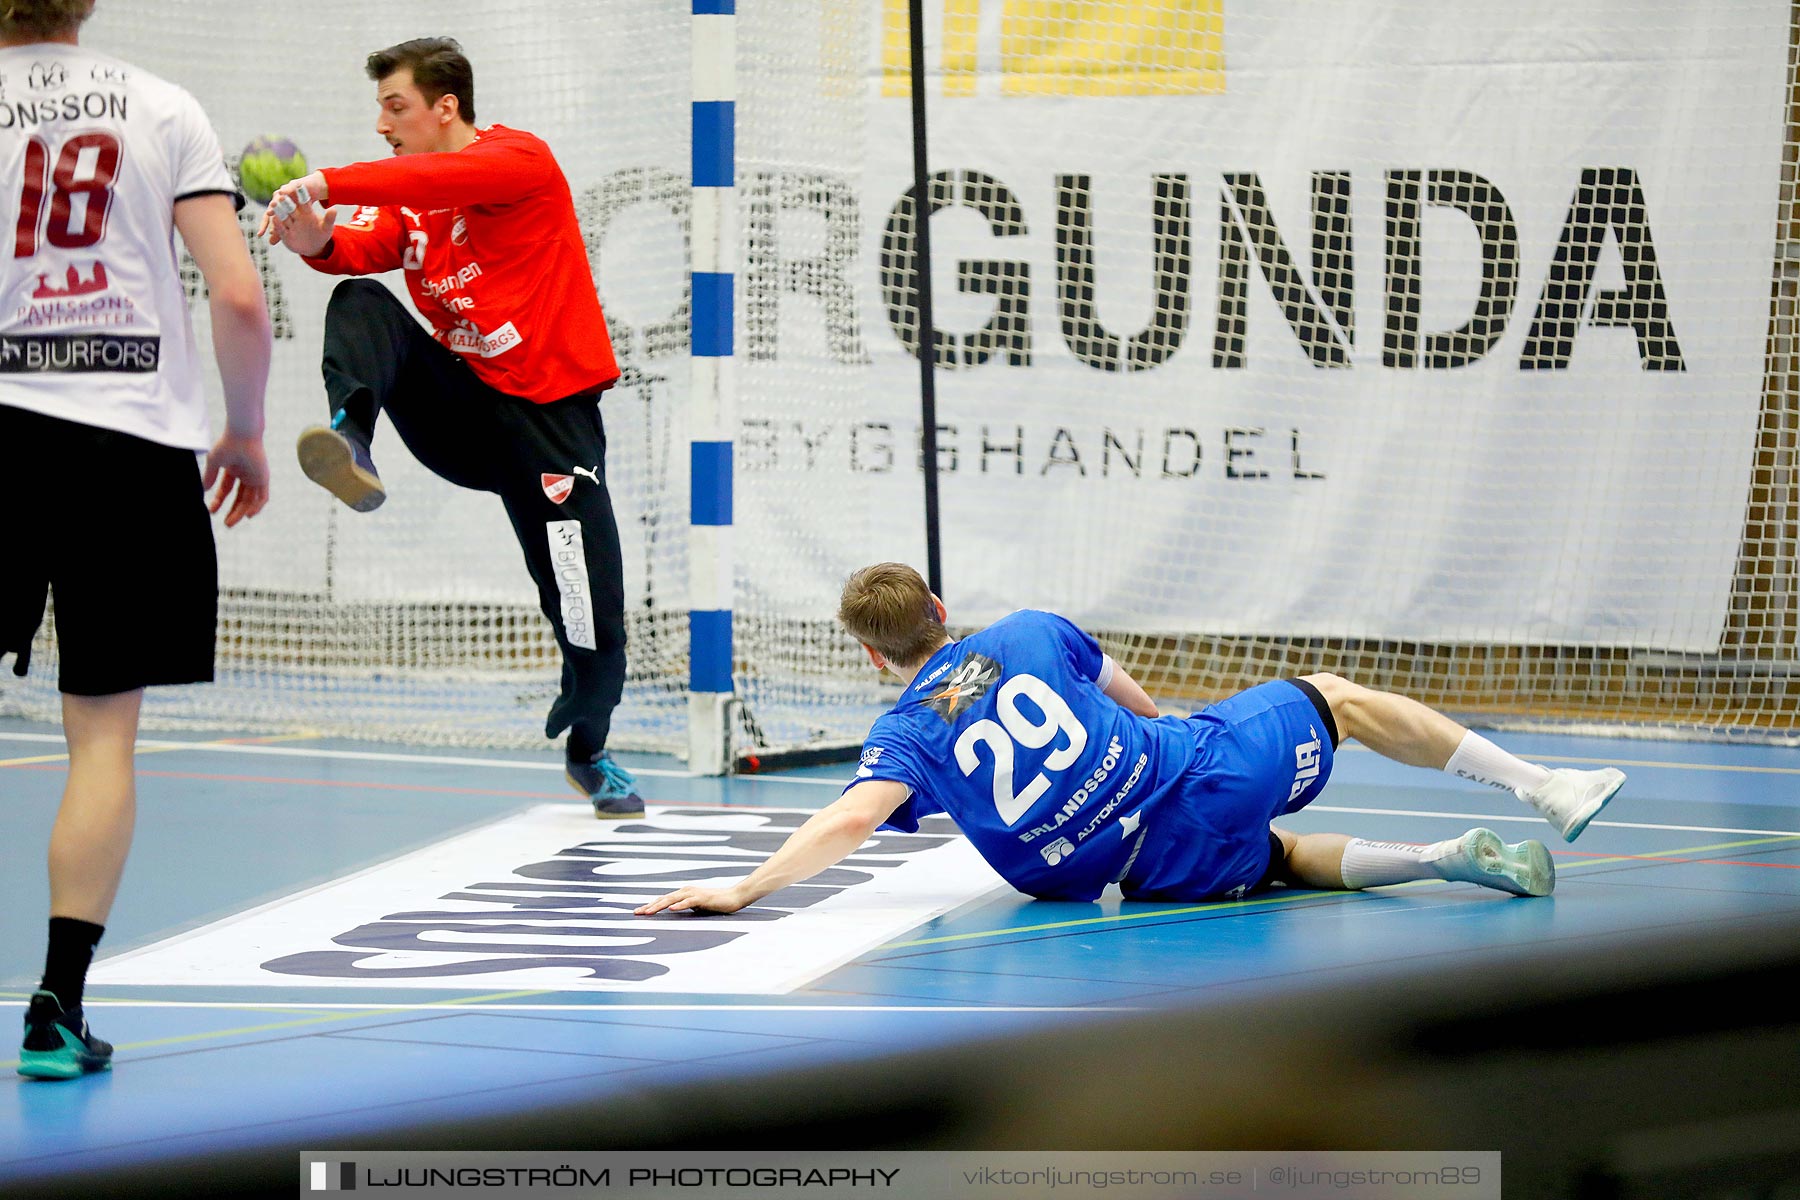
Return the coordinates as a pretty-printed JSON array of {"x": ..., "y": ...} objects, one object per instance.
[
  {"x": 322, "y": 783},
  {"x": 1659, "y": 858},
  {"x": 390, "y": 787}
]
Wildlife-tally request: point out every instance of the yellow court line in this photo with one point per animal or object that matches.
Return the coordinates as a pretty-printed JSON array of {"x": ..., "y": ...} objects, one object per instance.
[
  {"x": 492, "y": 996},
  {"x": 140, "y": 750},
  {"x": 268, "y": 740},
  {"x": 1116, "y": 918},
  {"x": 1287, "y": 898},
  {"x": 1599, "y": 862},
  {"x": 274, "y": 1009},
  {"x": 318, "y": 1020},
  {"x": 351, "y": 1016},
  {"x": 1625, "y": 858},
  {"x": 225, "y": 1033}
]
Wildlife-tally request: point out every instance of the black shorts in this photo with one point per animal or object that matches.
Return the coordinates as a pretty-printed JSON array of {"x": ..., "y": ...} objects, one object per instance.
[{"x": 116, "y": 528}]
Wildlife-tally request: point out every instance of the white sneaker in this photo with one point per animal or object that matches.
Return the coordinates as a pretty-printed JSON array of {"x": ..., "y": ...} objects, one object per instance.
[
  {"x": 1481, "y": 858},
  {"x": 1570, "y": 799}
]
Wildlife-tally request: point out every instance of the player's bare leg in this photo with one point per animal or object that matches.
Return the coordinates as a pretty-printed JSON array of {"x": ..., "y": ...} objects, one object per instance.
[
  {"x": 1406, "y": 731},
  {"x": 99, "y": 805},
  {"x": 88, "y": 846},
  {"x": 1391, "y": 725},
  {"x": 1314, "y": 860}
]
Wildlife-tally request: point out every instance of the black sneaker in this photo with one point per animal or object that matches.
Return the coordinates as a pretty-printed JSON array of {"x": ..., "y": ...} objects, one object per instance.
[
  {"x": 58, "y": 1044},
  {"x": 610, "y": 787},
  {"x": 340, "y": 463}
]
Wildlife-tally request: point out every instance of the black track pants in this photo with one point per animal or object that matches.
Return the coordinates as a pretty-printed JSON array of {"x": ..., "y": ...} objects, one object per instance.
[{"x": 378, "y": 358}]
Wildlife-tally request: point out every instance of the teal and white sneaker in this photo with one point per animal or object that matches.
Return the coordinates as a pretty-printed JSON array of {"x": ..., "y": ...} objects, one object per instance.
[
  {"x": 611, "y": 788},
  {"x": 58, "y": 1044},
  {"x": 1481, "y": 858}
]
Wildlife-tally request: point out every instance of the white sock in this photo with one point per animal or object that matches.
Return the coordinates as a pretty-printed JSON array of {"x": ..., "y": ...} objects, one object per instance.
[
  {"x": 1478, "y": 759},
  {"x": 1371, "y": 864}
]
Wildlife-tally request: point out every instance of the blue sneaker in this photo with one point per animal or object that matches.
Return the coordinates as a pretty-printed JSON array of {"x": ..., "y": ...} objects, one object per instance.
[
  {"x": 611, "y": 788},
  {"x": 58, "y": 1044},
  {"x": 340, "y": 463}
]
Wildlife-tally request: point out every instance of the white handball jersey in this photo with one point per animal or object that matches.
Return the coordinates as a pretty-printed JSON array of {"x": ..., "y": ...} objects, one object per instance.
[{"x": 94, "y": 325}]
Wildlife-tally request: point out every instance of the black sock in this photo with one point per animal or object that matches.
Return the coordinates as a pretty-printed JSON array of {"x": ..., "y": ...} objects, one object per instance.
[
  {"x": 583, "y": 747},
  {"x": 72, "y": 945}
]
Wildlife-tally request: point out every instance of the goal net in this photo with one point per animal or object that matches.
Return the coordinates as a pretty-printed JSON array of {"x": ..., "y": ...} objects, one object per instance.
[
  {"x": 419, "y": 622},
  {"x": 1450, "y": 350}
]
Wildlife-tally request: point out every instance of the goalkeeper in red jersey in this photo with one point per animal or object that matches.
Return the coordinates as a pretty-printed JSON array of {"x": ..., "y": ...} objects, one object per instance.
[{"x": 501, "y": 394}]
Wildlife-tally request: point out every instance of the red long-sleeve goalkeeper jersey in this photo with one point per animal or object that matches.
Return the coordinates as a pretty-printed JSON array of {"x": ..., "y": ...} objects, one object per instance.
[{"x": 493, "y": 257}]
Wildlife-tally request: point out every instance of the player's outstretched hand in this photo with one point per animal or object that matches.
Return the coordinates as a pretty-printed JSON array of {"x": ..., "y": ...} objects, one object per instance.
[
  {"x": 241, "y": 469},
  {"x": 695, "y": 899},
  {"x": 298, "y": 217}
]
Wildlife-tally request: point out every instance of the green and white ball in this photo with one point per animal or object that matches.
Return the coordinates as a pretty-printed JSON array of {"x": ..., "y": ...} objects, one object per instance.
[{"x": 266, "y": 164}]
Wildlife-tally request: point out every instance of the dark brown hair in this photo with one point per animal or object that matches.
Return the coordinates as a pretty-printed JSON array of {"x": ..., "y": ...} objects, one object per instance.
[
  {"x": 439, "y": 68},
  {"x": 43, "y": 18}
]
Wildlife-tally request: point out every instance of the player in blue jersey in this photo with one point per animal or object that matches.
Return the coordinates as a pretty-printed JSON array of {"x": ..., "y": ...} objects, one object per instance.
[{"x": 1054, "y": 763}]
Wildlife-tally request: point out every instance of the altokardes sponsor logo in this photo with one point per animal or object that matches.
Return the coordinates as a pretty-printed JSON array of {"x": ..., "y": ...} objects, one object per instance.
[{"x": 1088, "y": 789}]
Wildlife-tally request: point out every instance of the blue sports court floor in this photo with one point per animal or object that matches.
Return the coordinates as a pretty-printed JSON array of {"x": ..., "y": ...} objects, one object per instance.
[{"x": 1704, "y": 837}]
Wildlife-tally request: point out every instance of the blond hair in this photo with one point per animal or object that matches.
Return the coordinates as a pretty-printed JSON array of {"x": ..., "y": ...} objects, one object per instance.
[
  {"x": 39, "y": 19},
  {"x": 889, "y": 608}
]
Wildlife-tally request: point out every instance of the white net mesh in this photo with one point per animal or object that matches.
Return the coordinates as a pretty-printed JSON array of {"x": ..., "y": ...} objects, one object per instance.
[
  {"x": 1433, "y": 348},
  {"x": 419, "y": 622}
]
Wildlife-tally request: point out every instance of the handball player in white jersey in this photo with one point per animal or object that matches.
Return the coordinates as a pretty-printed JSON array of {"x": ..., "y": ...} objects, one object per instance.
[
  {"x": 104, "y": 430},
  {"x": 1055, "y": 764}
]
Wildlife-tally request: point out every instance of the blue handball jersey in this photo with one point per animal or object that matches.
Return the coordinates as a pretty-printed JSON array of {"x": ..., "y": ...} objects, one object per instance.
[{"x": 1010, "y": 733}]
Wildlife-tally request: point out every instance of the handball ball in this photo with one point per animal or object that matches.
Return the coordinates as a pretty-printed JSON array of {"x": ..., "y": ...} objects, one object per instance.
[{"x": 267, "y": 163}]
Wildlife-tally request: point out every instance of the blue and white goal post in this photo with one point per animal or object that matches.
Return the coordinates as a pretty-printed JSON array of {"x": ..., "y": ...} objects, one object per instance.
[{"x": 713, "y": 412}]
